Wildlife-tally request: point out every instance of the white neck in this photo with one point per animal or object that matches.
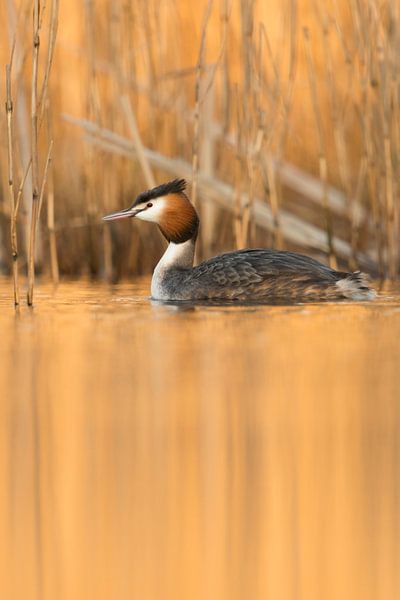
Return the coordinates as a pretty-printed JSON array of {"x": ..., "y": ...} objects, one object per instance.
[{"x": 176, "y": 255}]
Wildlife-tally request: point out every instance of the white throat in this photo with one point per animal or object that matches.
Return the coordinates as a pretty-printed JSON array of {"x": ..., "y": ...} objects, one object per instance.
[{"x": 176, "y": 255}]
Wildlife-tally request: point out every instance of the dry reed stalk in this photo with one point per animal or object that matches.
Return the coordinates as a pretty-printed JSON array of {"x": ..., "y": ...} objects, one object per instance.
[
  {"x": 37, "y": 103},
  {"x": 247, "y": 21},
  {"x": 148, "y": 47},
  {"x": 247, "y": 220},
  {"x": 137, "y": 140},
  {"x": 372, "y": 179},
  {"x": 366, "y": 119},
  {"x": 266, "y": 164},
  {"x": 54, "y": 268},
  {"x": 196, "y": 125},
  {"x": 207, "y": 157},
  {"x": 238, "y": 179},
  {"x": 16, "y": 21},
  {"x": 225, "y": 95},
  {"x": 339, "y": 139},
  {"x": 237, "y": 219},
  {"x": 274, "y": 174},
  {"x": 294, "y": 178},
  {"x": 107, "y": 251},
  {"x": 212, "y": 70},
  {"x": 396, "y": 156},
  {"x": 50, "y": 54},
  {"x": 337, "y": 117},
  {"x": 147, "y": 26},
  {"x": 93, "y": 109},
  {"x": 271, "y": 175},
  {"x": 262, "y": 68},
  {"x": 109, "y": 185},
  {"x": 386, "y": 115},
  {"x": 127, "y": 62},
  {"x": 34, "y": 151},
  {"x": 271, "y": 89},
  {"x": 13, "y": 212},
  {"x": 356, "y": 214},
  {"x": 141, "y": 155},
  {"x": 22, "y": 185},
  {"x": 390, "y": 210},
  {"x": 207, "y": 152},
  {"x": 111, "y": 178},
  {"x": 379, "y": 55},
  {"x": 323, "y": 167},
  {"x": 287, "y": 98},
  {"x": 44, "y": 178}
]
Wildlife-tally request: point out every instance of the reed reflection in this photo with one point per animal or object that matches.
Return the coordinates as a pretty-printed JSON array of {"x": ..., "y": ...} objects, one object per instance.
[{"x": 215, "y": 452}]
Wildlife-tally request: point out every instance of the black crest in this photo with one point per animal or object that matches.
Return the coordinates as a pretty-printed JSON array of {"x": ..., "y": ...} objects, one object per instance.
[{"x": 176, "y": 186}]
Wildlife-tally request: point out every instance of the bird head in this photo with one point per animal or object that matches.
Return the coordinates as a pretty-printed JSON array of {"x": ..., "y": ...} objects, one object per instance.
[{"x": 168, "y": 206}]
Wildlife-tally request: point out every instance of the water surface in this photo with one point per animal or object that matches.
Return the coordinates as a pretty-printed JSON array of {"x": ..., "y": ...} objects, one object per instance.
[{"x": 165, "y": 452}]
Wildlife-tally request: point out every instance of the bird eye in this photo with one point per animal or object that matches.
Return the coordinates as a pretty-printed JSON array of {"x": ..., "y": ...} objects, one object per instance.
[{"x": 149, "y": 205}]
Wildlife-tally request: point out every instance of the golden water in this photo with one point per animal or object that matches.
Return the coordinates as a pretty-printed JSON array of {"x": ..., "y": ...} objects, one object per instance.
[{"x": 208, "y": 453}]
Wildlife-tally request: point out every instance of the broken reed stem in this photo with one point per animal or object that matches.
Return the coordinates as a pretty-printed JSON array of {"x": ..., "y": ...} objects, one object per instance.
[
  {"x": 13, "y": 216},
  {"x": 34, "y": 151},
  {"x": 323, "y": 167},
  {"x": 196, "y": 126},
  {"x": 22, "y": 185}
]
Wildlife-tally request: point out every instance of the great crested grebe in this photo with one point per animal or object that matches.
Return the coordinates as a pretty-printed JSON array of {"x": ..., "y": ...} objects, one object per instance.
[{"x": 253, "y": 275}]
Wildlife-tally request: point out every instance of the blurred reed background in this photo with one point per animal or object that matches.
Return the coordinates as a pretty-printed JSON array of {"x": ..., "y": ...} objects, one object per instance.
[{"x": 284, "y": 116}]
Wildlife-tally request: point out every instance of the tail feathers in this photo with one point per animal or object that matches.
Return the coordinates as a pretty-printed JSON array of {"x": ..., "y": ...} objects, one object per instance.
[{"x": 355, "y": 286}]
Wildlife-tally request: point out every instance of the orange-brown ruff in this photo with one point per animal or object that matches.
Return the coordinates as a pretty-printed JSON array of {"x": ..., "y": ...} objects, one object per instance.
[
  {"x": 255, "y": 275},
  {"x": 179, "y": 221}
]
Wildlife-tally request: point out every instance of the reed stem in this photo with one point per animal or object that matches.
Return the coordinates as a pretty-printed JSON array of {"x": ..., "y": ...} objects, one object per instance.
[
  {"x": 13, "y": 211},
  {"x": 54, "y": 268},
  {"x": 34, "y": 151},
  {"x": 322, "y": 161},
  {"x": 196, "y": 126}
]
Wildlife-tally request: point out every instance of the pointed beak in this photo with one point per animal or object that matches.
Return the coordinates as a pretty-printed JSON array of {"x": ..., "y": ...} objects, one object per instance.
[{"x": 122, "y": 214}]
